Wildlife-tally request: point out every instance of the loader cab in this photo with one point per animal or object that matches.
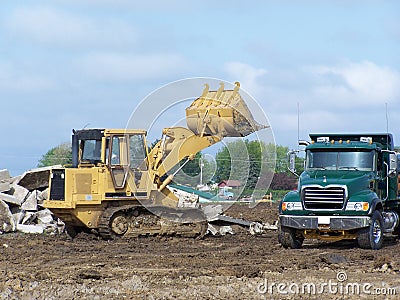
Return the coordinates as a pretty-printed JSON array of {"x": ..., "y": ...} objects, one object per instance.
[
  {"x": 126, "y": 150},
  {"x": 121, "y": 151},
  {"x": 126, "y": 153},
  {"x": 87, "y": 147}
]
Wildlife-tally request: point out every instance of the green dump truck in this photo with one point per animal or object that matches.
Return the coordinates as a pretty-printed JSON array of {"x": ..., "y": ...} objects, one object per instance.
[{"x": 348, "y": 190}]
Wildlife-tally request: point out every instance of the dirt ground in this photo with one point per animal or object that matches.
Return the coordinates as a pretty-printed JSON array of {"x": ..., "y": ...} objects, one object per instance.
[{"x": 239, "y": 266}]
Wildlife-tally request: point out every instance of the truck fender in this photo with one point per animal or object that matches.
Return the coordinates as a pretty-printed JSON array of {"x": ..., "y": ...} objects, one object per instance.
[{"x": 376, "y": 204}]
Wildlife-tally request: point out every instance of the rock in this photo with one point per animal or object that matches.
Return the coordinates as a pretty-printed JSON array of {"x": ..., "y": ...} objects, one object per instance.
[
  {"x": 17, "y": 213},
  {"x": 225, "y": 229},
  {"x": 222, "y": 230},
  {"x": 212, "y": 211},
  {"x": 44, "y": 195},
  {"x": 256, "y": 228},
  {"x": 37, "y": 178},
  {"x": 13, "y": 180},
  {"x": 29, "y": 217},
  {"x": 4, "y": 174},
  {"x": 19, "y": 192},
  {"x": 5, "y": 186},
  {"x": 30, "y": 202},
  {"x": 211, "y": 229},
  {"x": 10, "y": 199},
  {"x": 7, "y": 222},
  {"x": 30, "y": 228},
  {"x": 333, "y": 258},
  {"x": 44, "y": 216}
]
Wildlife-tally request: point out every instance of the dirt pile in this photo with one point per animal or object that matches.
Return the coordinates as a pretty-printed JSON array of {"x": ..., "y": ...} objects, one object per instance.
[{"x": 238, "y": 266}]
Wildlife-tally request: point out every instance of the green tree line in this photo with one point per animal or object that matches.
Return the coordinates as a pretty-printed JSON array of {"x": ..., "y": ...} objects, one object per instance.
[{"x": 247, "y": 161}]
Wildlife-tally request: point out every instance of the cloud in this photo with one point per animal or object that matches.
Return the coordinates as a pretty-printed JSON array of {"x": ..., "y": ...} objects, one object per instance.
[
  {"x": 126, "y": 67},
  {"x": 353, "y": 84},
  {"x": 247, "y": 75},
  {"x": 334, "y": 97},
  {"x": 11, "y": 80},
  {"x": 53, "y": 27}
]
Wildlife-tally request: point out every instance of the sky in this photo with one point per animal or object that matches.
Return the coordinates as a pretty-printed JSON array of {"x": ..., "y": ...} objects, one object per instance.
[{"x": 68, "y": 64}]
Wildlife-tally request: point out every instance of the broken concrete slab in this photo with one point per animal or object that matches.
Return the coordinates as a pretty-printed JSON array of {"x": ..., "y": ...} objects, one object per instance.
[
  {"x": 43, "y": 195},
  {"x": 13, "y": 180},
  {"x": 30, "y": 203},
  {"x": 7, "y": 222},
  {"x": 29, "y": 217},
  {"x": 17, "y": 213},
  {"x": 18, "y": 216},
  {"x": 212, "y": 211},
  {"x": 225, "y": 229},
  {"x": 4, "y": 174},
  {"x": 212, "y": 229},
  {"x": 36, "y": 179},
  {"x": 19, "y": 192},
  {"x": 268, "y": 226},
  {"x": 44, "y": 216},
  {"x": 221, "y": 230},
  {"x": 258, "y": 228},
  {"x": 10, "y": 199},
  {"x": 5, "y": 186},
  {"x": 30, "y": 228},
  {"x": 230, "y": 220}
]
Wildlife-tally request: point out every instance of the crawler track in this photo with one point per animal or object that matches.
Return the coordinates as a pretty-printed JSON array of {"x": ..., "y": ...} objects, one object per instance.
[{"x": 134, "y": 221}]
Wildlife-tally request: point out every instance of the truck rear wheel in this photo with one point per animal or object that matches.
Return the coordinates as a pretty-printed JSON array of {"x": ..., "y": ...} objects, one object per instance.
[
  {"x": 371, "y": 237},
  {"x": 288, "y": 237}
]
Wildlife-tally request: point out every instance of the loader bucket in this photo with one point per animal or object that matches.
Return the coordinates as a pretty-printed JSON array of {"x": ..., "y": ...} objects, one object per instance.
[{"x": 223, "y": 113}]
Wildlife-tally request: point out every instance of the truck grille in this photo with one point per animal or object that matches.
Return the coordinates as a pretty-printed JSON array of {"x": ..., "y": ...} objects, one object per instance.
[{"x": 318, "y": 197}]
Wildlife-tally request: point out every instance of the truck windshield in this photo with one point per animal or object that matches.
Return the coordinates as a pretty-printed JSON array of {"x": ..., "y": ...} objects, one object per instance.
[{"x": 360, "y": 160}]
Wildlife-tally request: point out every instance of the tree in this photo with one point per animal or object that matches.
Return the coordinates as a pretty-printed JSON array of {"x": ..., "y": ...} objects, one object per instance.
[
  {"x": 254, "y": 162},
  {"x": 245, "y": 161},
  {"x": 190, "y": 173},
  {"x": 61, "y": 154}
]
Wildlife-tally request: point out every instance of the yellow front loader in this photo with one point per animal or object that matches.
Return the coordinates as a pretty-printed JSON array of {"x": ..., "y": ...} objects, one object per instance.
[{"x": 118, "y": 187}]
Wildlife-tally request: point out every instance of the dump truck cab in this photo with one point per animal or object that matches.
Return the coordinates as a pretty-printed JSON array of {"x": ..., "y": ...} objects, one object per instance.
[{"x": 348, "y": 190}]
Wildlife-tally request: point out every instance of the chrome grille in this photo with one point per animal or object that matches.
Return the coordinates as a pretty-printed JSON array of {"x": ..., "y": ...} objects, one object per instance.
[{"x": 318, "y": 197}]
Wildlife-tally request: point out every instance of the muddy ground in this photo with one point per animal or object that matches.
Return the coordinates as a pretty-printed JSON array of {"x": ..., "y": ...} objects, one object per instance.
[{"x": 239, "y": 266}]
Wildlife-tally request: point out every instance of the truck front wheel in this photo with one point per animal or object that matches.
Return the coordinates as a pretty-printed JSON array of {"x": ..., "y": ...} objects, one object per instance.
[
  {"x": 288, "y": 237},
  {"x": 371, "y": 237}
]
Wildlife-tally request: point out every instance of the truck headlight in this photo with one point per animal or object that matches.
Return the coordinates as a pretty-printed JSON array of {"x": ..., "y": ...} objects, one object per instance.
[
  {"x": 357, "y": 206},
  {"x": 291, "y": 206}
]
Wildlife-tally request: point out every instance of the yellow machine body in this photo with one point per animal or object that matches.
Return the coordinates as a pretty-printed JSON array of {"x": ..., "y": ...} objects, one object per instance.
[{"x": 114, "y": 175}]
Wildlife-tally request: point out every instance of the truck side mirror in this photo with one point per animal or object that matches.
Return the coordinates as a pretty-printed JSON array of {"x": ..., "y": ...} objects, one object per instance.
[
  {"x": 392, "y": 165},
  {"x": 292, "y": 161}
]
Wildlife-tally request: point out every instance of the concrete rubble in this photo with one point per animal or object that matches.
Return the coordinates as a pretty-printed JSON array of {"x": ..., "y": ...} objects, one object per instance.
[
  {"x": 21, "y": 199},
  {"x": 215, "y": 215}
]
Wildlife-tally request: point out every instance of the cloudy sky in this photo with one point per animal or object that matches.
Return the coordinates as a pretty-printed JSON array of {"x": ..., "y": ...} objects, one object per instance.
[{"x": 68, "y": 63}]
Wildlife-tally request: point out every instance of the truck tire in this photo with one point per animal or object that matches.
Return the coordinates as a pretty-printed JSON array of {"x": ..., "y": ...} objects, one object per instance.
[
  {"x": 371, "y": 237},
  {"x": 288, "y": 238}
]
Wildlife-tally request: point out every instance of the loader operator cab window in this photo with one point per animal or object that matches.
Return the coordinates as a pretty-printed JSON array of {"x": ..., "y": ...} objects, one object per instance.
[
  {"x": 91, "y": 151},
  {"x": 137, "y": 152},
  {"x": 115, "y": 153}
]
